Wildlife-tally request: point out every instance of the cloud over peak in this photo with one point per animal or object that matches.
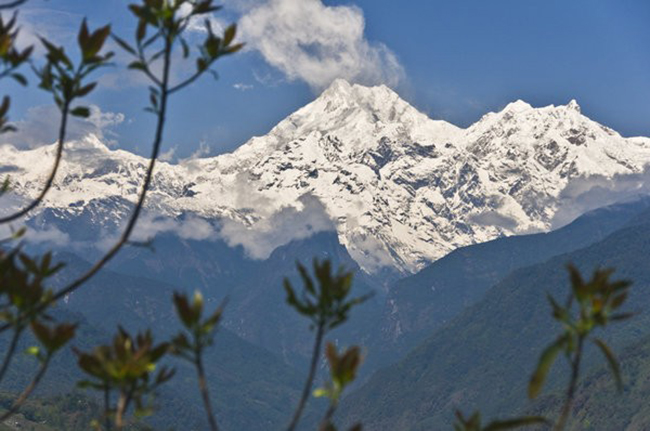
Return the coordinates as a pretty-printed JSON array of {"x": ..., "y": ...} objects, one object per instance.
[{"x": 317, "y": 44}]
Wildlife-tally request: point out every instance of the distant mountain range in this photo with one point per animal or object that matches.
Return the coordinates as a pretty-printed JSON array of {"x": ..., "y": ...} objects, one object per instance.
[{"x": 400, "y": 189}]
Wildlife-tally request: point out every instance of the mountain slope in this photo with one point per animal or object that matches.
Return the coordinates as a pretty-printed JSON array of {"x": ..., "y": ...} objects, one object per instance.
[
  {"x": 483, "y": 358},
  {"x": 400, "y": 189},
  {"x": 423, "y": 302}
]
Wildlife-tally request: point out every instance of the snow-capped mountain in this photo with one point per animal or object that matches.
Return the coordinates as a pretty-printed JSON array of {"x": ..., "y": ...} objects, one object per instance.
[{"x": 400, "y": 188}]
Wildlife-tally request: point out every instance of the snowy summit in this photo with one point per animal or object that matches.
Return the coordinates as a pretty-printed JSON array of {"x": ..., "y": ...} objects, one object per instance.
[{"x": 400, "y": 188}]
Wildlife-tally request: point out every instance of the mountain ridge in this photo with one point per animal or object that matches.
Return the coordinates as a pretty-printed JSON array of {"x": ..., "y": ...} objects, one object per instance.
[{"x": 400, "y": 189}]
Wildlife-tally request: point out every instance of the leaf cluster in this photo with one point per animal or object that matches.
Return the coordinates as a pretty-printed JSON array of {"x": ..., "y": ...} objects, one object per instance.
[
  {"x": 53, "y": 337},
  {"x": 327, "y": 305},
  {"x": 127, "y": 365},
  {"x": 201, "y": 330},
  {"x": 598, "y": 301},
  {"x": 22, "y": 285},
  {"x": 343, "y": 371},
  {"x": 11, "y": 59},
  {"x": 65, "y": 80},
  {"x": 160, "y": 25}
]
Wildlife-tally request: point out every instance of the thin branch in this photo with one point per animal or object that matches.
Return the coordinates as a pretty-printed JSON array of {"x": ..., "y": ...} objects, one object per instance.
[
  {"x": 122, "y": 404},
  {"x": 203, "y": 387},
  {"x": 146, "y": 69},
  {"x": 10, "y": 352},
  {"x": 12, "y": 4},
  {"x": 327, "y": 419},
  {"x": 185, "y": 83},
  {"x": 573, "y": 384},
  {"x": 310, "y": 378},
  {"x": 107, "y": 408},
  {"x": 28, "y": 390},
  {"x": 55, "y": 168}
]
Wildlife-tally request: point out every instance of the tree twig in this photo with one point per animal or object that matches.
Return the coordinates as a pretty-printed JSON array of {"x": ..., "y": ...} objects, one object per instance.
[
  {"x": 107, "y": 408},
  {"x": 12, "y": 4},
  {"x": 28, "y": 390},
  {"x": 11, "y": 351},
  {"x": 328, "y": 416},
  {"x": 50, "y": 179},
  {"x": 310, "y": 378},
  {"x": 573, "y": 384},
  {"x": 205, "y": 395}
]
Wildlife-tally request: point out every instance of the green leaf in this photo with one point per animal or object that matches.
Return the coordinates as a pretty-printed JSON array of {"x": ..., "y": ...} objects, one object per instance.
[
  {"x": 80, "y": 111},
  {"x": 229, "y": 34},
  {"x": 33, "y": 351},
  {"x": 546, "y": 360},
  {"x": 84, "y": 91},
  {"x": 321, "y": 393},
  {"x": 611, "y": 360},
  {"x": 19, "y": 78},
  {"x": 121, "y": 42}
]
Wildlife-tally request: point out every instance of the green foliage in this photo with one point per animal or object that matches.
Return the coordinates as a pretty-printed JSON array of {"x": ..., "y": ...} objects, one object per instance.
[
  {"x": 598, "y": 301},
  {"x": 343, "y": 371},
  {"x": 65, "y": 80},
  {"x": 166, "y": 24},
  {"x": 53, "y": 338},
  {"x": 201, "y": 331},
  {"x": 128, "y": 366},
  {"x": 22, "y": 287},
  {"x": 11, "y": 59},
  {"x": 328, "y": 306},
  {"x": 201, "y": 336}
]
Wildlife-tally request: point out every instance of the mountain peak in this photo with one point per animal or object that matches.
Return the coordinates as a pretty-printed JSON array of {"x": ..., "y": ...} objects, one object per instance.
[
  {"x": 517, "y": 106},
  {"x": 361, "y": 95},
  {"x": 338, "y": 86},
  {"x": 573, "y": 105}
]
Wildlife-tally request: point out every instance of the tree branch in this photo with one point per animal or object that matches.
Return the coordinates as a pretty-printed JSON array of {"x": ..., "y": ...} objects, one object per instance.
[
  {"x": 10, "y": 352},
  {"x": 185, "y": 83},
  {"x": 203, "y": 387},
  {"x": 573, "y": 384},
  {"x": 12, "y": 4},
  {"x": 310, "y": 378},
  {"x": 28, "y": 390},
  {"x": 55, "y": 168}
]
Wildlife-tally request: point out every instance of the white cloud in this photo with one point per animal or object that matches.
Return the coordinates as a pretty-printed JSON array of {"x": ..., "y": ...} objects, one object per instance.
[
  {"x": 193, "y": 228},
  {"x": 46, "y": 235},
  {"x": 197, "y": 23},
  {"x": 41, "y": 127},
  {"x": 280, "y": 228},
  {"x": 315, "y": 43},
  {"x": 585, "y": 194},
  {"x": 168, "y": 156},
  {"x": 242, "y": 87}
]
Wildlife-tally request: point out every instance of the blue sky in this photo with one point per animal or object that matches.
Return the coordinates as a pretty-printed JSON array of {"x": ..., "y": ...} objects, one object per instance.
[{"x": 454, "y": 60}]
